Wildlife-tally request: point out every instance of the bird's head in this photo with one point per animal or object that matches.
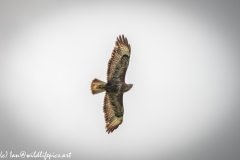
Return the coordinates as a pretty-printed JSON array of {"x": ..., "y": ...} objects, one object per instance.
[{"x": 129, "y": 86}]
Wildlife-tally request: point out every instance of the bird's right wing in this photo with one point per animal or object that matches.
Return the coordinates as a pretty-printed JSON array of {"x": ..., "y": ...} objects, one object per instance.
[
  {"x": 113, "y": 111},
  {"x": 118, "y": 63}
]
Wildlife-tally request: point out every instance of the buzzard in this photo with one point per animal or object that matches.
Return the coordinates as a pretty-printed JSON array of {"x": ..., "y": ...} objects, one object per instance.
[{"x": 115, "y": 85}]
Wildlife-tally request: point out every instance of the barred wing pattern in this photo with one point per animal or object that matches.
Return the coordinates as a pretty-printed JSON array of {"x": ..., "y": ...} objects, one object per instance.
[
  {"x": 117, "y": 67},
  {"x": 118, "y": 63},
  {"x": 113, "y": 111}
]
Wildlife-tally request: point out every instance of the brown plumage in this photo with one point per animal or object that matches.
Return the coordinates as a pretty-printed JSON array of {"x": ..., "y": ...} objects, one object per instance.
[{"x": 115, "y": 86}]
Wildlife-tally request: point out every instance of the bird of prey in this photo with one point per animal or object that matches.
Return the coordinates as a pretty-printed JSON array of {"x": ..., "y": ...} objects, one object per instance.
[{"x": 115, "y": 85}]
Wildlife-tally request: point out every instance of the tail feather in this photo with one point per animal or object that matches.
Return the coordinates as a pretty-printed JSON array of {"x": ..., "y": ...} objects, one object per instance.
[{"x": 97, "y": 86}]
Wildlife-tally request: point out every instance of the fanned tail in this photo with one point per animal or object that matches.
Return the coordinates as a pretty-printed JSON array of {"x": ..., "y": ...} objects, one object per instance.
[{"x": 97, "y": 86}]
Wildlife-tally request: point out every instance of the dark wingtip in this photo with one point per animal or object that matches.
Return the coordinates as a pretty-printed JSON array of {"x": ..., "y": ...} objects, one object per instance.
[{"x": 122, "y": 40}]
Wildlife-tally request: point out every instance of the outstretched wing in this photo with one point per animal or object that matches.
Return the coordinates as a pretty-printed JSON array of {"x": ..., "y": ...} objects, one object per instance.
[
  {"x": 113, "y": 111},
  {"x": 118, "y": 63}
]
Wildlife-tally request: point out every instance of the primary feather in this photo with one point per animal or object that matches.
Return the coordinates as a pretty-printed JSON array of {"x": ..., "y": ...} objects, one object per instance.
[{"x": 115, "y": 86}]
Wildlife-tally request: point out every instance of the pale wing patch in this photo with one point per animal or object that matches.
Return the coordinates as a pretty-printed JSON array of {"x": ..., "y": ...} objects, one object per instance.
[
  {"x": 113, "y": 112},
  {"x": 122, "y": 48}
]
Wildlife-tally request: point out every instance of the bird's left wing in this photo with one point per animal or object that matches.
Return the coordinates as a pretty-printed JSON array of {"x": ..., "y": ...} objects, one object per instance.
[{"x": 113, "y": 111}]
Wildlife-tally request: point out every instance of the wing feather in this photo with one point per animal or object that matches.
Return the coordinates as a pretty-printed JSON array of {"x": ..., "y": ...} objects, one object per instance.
[
  {"x": 118, "y": 63},
  {"x": 113, "y": 111}
]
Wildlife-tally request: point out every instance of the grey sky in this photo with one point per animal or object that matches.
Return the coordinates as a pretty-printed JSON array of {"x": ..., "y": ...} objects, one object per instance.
[{"x": 184, "y": 67}]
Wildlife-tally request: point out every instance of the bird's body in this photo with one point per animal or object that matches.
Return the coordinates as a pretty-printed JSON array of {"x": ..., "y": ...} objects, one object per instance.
[{"x": 115, "y": 86}]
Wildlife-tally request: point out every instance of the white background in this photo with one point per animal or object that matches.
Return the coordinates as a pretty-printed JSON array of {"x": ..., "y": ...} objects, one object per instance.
[{"x": 184, "y": 66}]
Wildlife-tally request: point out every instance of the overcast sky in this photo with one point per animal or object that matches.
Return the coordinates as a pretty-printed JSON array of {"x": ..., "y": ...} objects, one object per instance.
[{"x": 184, "y": 65}]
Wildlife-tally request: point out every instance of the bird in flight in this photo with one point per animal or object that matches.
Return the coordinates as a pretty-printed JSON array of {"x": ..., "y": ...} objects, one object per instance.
[{"x": 115, "y": 86}]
